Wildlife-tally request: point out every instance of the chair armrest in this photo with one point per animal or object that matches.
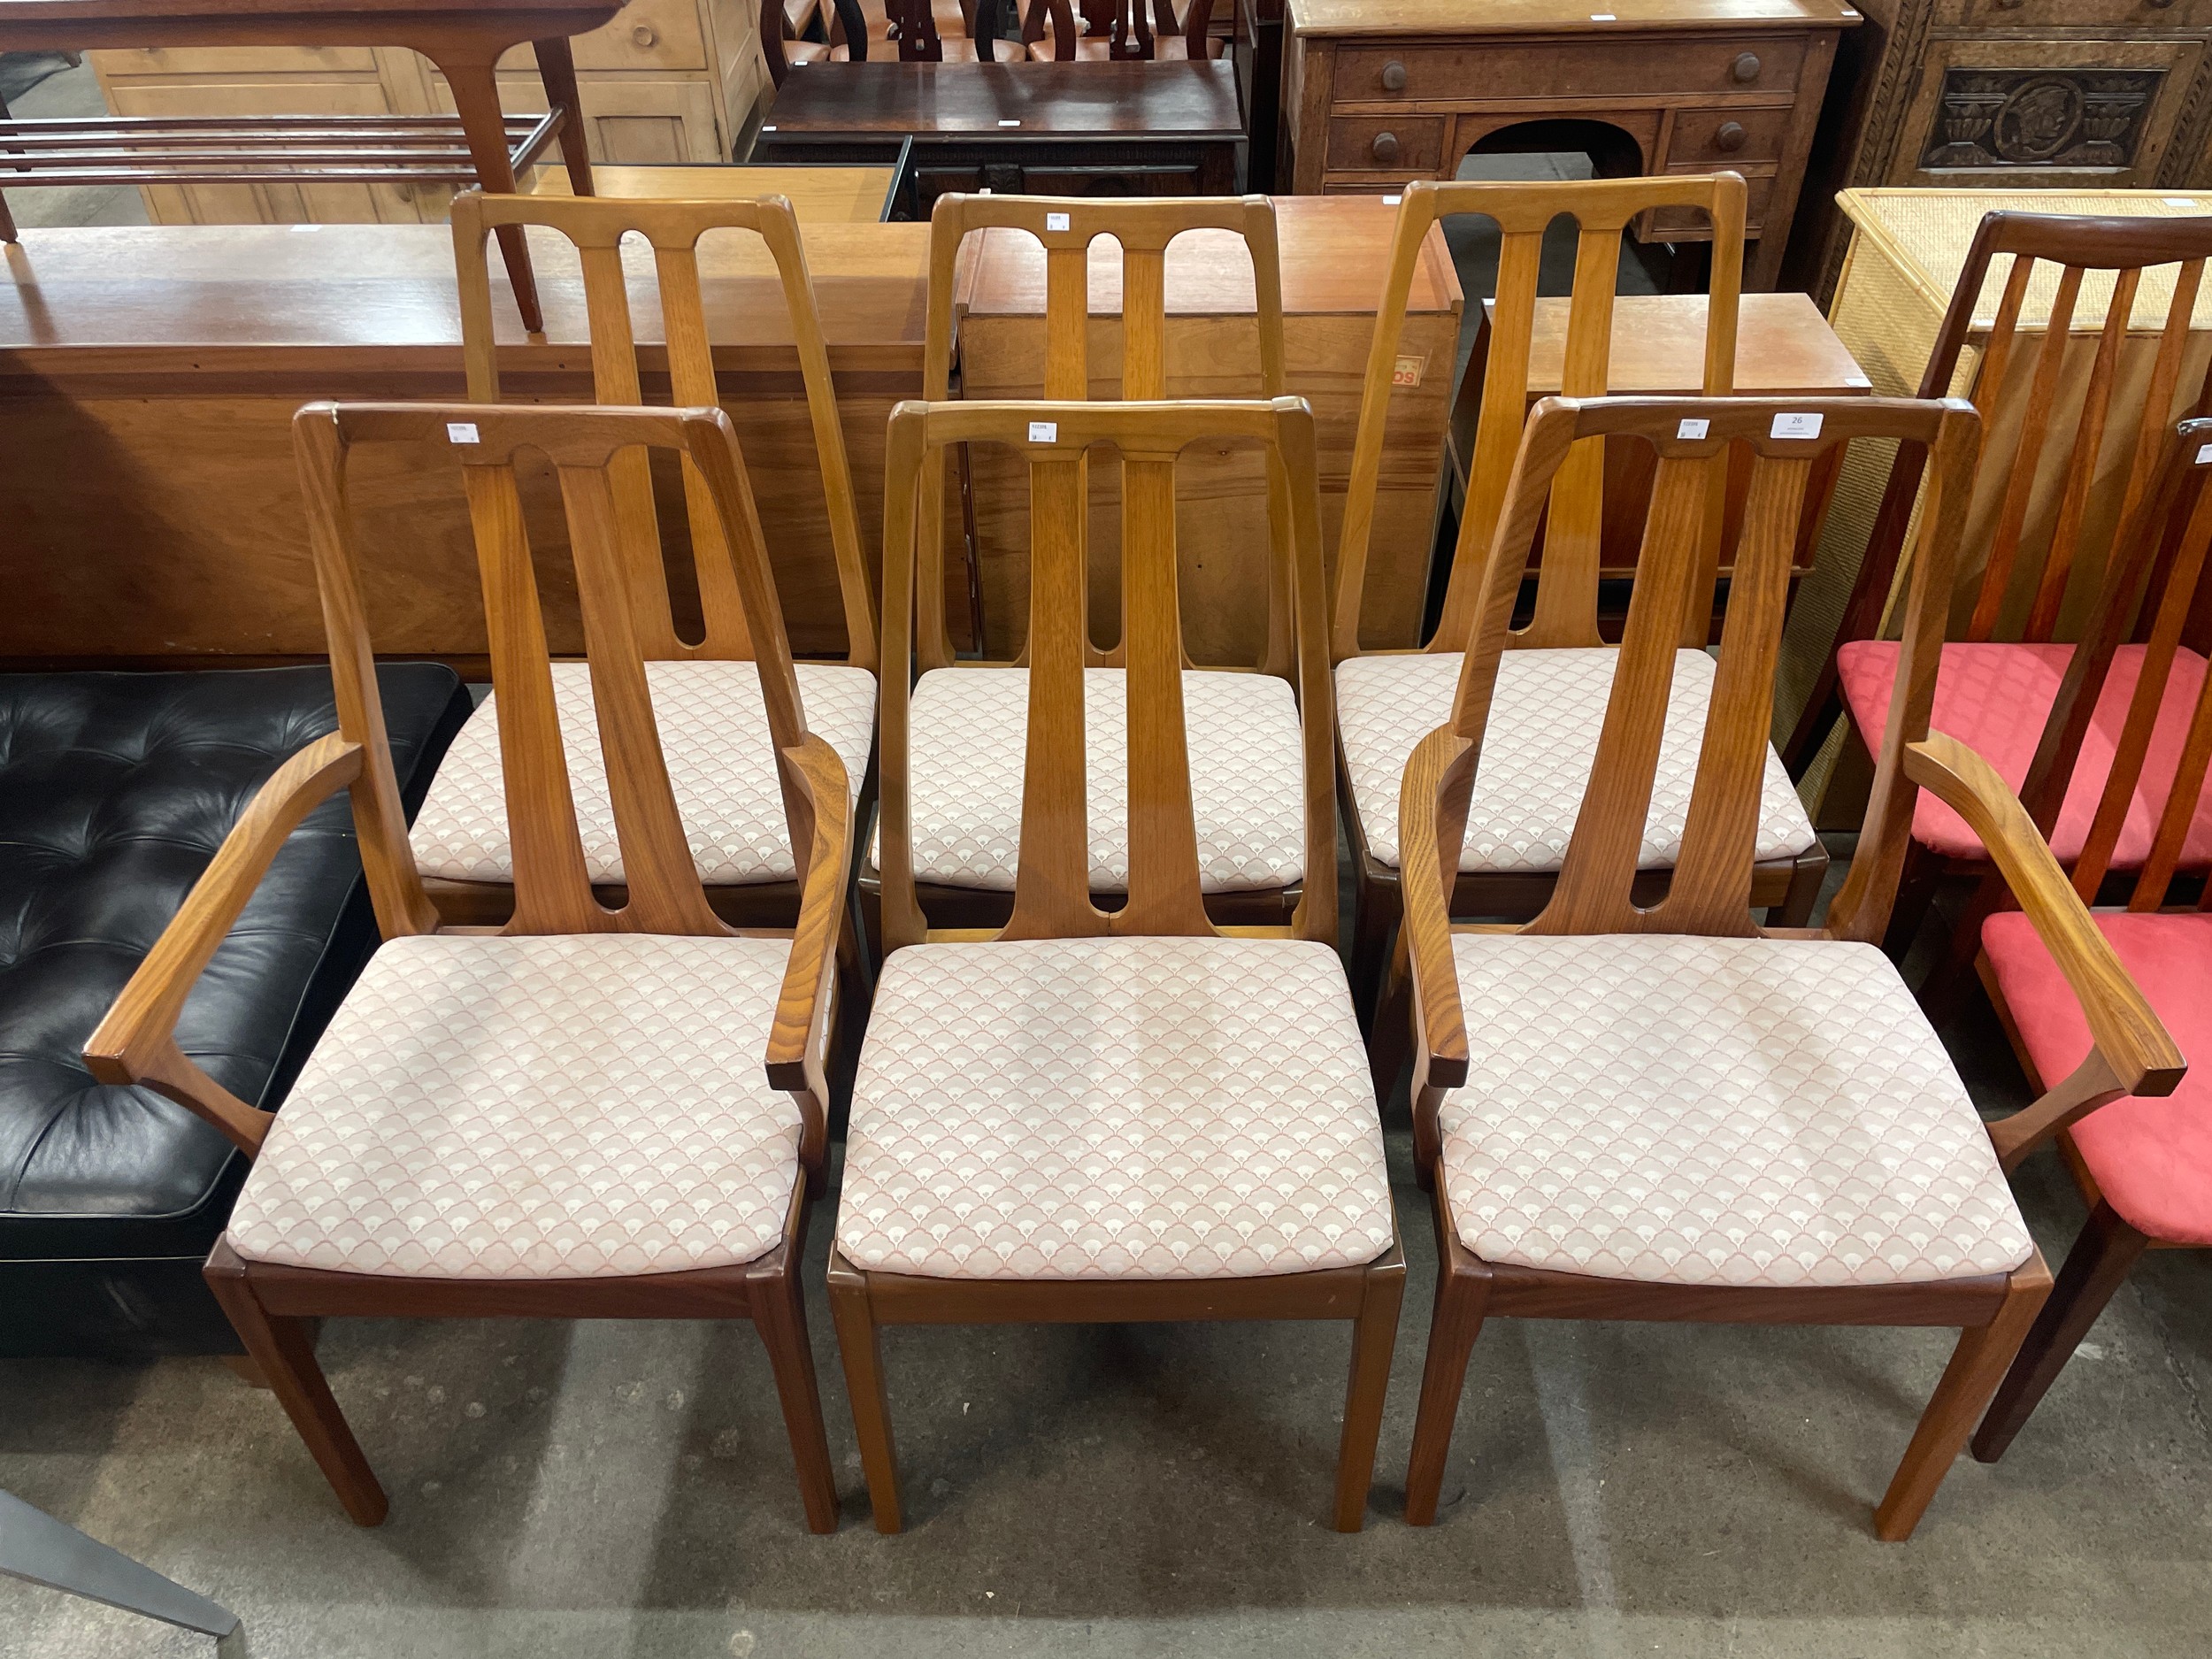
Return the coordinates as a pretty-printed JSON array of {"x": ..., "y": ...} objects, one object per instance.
[
  {"x": 136, "y": 1043},
  {"x": 1440, "y": 1028},
  {"x": 2131, "y": 1052},
  {"x": 795, "y": 1041}
]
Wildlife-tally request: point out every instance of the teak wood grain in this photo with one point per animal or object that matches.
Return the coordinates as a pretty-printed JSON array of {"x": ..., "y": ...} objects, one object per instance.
[
  {"x": 1594, "y": 895},
  {"x": 135, "y": 1042},
  {"x": 1052, "y": 895}
]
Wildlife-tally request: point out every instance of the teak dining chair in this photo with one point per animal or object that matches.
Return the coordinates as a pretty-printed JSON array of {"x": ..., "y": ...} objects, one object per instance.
[
  {"x": 587, "y": 1113},
  {"x": 2006, "y": 671},
  {"x": 1672, "y": 1113},
  {"x": 706, "y": 695},
  {"x": 967, "y": 723},
  {"x": 2144, "y": 1166},
  {"x": 1117, "y": 1115},
  {"x": 1552, "y": 690}
]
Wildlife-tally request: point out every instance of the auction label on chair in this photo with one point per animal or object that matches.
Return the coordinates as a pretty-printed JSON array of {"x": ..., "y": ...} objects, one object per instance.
[
  {"x": 1692, "y": 429},
  {"x": 461, "y": 432},
  {"x": 1055, "y": 221},
  {"x": 1044, "y": 432},
  {"x": 1805, "y": 426}
]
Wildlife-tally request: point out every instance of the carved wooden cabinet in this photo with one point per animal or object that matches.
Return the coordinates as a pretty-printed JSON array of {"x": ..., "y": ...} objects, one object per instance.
[{"x": 2007, "y": 94}]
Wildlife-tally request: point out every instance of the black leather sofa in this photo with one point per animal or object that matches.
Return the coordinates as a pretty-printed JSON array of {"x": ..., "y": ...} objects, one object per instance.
[{"x": 115, "y": 791}]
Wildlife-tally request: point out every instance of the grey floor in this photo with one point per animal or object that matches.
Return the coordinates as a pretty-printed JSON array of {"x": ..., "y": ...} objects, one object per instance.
[{"x": 40, "y": 85}]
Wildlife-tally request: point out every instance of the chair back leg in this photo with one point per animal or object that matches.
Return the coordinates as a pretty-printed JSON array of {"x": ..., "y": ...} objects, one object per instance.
[
  {"x": 858, "y": 1341},
  {"x": 779, "y": 1310},
  {"x": 1374, "y": 1337}
]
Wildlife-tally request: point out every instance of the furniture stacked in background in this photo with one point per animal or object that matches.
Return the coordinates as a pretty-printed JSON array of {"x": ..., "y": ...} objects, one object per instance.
[
  {"x": 116, "y": 790},
  {"x": 2010, "y": 95}
]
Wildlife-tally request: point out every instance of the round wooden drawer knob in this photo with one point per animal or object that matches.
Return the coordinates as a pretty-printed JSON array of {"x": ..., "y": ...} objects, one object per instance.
[
  {"x": 1385, "y": 146},
  {"x": 1730, "y": 136},
  {"x": 1746, "y": 66},
  {"x": 1393, "y": 76},
  {"x": 645, "y": 37}
]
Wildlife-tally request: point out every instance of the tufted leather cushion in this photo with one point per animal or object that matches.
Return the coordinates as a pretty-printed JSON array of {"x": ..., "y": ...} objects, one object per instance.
[
  {"x": 1715, "y": 1111},
  {"x": 1136, "y": 1108},
  {"x": 115, "y": 790},
  {"x": 562, "y": 1106},
  {"x": 714, "y": 737},
  {"x": 969, "y": 730},
  {"x": 1537, "y": 753}
]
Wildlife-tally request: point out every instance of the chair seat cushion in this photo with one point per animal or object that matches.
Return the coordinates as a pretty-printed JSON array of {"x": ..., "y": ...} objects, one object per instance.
[
  {"x": 1539, "y": 745},
  {"x": 1996, "y": 698},
  {"x": 1113, "y": 1109},
  {"x": 714, "y": 736},
  {"x": 562, "y": 1106},
  {"x": 2152, "y": 1159},
  {"x": 968, "y": 736},
  {"x": 1715, "y": 1111}
]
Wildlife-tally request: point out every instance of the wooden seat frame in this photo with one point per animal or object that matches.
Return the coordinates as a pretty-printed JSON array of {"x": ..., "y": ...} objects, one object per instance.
[
  {"x": 1144, "y": 231},
  {"x": 1710, "y": 893},
  {"x": 2015, "y": 596},
  {"x": 1053, "y": 899},
  {"x": 597, "y": 225},
  {"x": 273, "y": 1306},
  {"x": 2174, "y": 535},
  {"x": 1567, "y": 578}
]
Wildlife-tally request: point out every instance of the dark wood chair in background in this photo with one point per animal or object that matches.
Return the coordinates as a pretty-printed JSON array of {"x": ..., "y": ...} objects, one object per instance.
[
  {"x": 1109, "y": 31},
  {"x": 1552, "y": 691},
  {"x": 2144, "y": 1165},
  {"x": 706, "y": 695},
  {"x": 905, "y": 31},
  {"x": 1672, "y": 1113},
  {"x": 2007, "y": 673},
  {"x": 589, "y": 1113}
]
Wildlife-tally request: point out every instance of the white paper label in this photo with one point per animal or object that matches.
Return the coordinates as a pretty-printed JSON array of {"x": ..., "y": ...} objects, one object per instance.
[
  {"x": 2204, "y": 454},
  {"x": 2183, "y": 201},
  {"x": 1055, "y": 221},
  {"x": 1392, "y": 200},
  {"x": 770, "y": 127},
  {"x": 297, "y": 229},
  {"x": 461, "y": 432},
  {"x": 1009, "y": 121},
  {"x": 1044, "y": 432},
  {"x": 1692, "y": 429},
  {"x": 1856, "y": 379},
  {"x": 1795, "y": 427}
]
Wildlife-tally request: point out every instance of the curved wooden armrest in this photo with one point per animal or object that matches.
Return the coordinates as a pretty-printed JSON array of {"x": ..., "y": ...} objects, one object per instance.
[
  {"x": 1440, "y": 761},
  {"x": 136, "y": 1043},
  {"x": 2134, "y": 1054},
  {"x": 795, "y": 1042}
]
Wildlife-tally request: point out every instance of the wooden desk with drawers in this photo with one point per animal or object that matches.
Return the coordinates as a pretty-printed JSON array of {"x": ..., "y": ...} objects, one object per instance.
[{"x": 1379, "y": 91}]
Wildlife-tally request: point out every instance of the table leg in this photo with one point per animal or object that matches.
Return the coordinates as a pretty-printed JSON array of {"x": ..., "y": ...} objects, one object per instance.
[
  {"x": 556, "y": 67},
  {"x": 476, "y": 98}
]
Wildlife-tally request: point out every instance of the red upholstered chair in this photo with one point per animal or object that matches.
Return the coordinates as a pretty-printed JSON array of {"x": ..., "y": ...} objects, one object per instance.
[
  {"x": 2006, "y": 673},
  {"x": 2144, "y": 1166}
]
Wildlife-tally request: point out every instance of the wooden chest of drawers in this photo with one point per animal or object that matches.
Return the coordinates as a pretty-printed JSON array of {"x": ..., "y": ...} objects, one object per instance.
[{"x": 1381, "y": 91}]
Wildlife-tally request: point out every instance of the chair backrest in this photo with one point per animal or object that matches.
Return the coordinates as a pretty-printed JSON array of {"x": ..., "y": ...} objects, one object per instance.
[
  {"x": 1066, "y": 228},
  {"x": 1129, "y": 32},
  {"x": 586, "y": 445},
  {"x": 597, "y": 225},
  {"x": 1052, "y": 885},
  {"x": 2021, "y": 597},
  {"x": 2158, "y": 580},
  {"x": 1710, "y": 889},
  {"x": 1567, "y": 587}
]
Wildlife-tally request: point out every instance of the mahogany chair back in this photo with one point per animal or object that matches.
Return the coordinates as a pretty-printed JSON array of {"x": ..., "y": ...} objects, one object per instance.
[
  {"x": 1052, "y": 895},
  {"x": 2021, "y": 589},
  {"x": 589, "y": 448},
  {"x": 597, "y": 225},
  {"x": 1711, "y": 890},
  {"x": 1067, "y": 228},
  {"x": 1567, "y": 589}
]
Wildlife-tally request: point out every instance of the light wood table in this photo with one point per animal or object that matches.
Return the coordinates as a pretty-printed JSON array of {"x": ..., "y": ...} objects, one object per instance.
[
  {"x": 847, "y": 195},
  {"x": 149, "y": 376},
  {"x": 1333, "y": 258}
]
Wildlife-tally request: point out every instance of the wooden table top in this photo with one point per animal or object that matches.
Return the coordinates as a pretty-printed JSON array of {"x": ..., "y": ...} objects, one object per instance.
[
  {"x": 1335, "y": 255},
  {"x": 1782, "y": 345},
  {"x": 1555, "y": 17},
  {"x": 851, "y": 196},
  {"x": 1010, "y": 101}
]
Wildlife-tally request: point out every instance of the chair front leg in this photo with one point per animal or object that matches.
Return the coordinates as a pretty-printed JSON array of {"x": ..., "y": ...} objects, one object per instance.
[
  {"x": 1463, "y": 1297},
  {"x": 859, "y": 1343},
  {"x": 1374, "y": 1338},
  {"x": 284, "y": 1348}
]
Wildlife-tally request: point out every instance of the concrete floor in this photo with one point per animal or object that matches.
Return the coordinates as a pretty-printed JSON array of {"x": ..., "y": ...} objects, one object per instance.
[{"x": 38, "y": 84}]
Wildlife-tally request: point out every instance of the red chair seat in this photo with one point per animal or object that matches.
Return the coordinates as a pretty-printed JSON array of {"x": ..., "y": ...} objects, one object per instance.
[
  {"x": 2151, "y": 1158},
  {"x": 1996, "y": 699}
]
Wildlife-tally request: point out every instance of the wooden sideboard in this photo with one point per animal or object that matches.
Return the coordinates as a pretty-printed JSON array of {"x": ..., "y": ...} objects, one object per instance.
[
  {"x": 666, "y": 81},
  {"x": 1381, "y": 91},
  {"x": 2008, "y": 94}
]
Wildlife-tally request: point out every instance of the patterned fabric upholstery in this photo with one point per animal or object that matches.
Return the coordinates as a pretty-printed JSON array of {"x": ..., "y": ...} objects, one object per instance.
[
  {"x": 969, "y": 732},
  {"x": 714, "y": 735},
  {"x": 1715, "y": 1111},
  {"x": 1996, "y": 698},
  {"x": 1541, "y": 742},
  {"x": 1113, "y": 1109},
  {"x": 563, "y": 1107}
]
